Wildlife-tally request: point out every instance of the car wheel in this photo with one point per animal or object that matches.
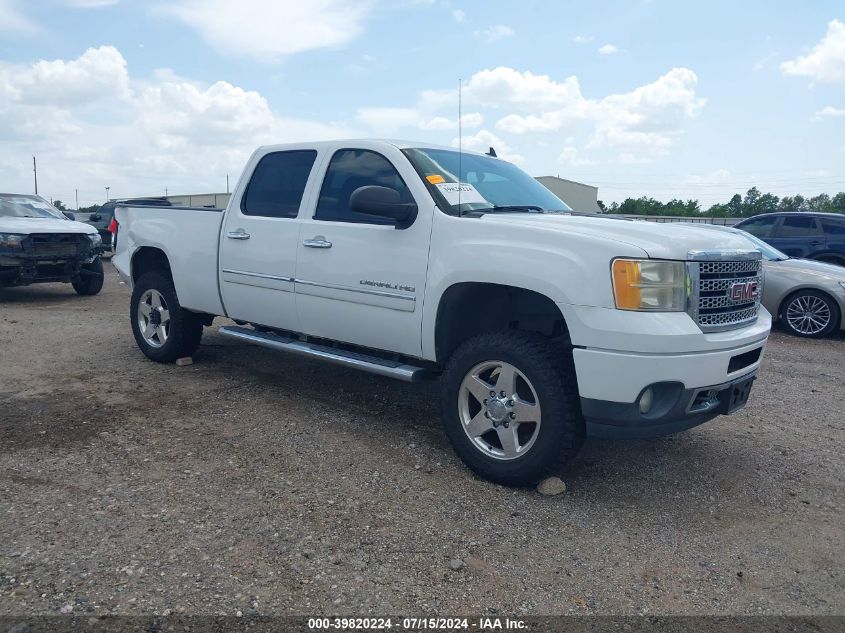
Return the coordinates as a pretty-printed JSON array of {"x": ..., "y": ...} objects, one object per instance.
[
  {"x": 91, "y": 278},
  {"x": 163, "y": 329},
  {"x": 510, "y": 407},
  {"x": 810, "y": 313}
]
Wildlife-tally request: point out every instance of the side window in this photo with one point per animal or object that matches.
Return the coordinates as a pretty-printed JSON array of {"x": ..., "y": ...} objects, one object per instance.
[
  {"x": 833, "y": 227},
  {"x": 277, "y": 184},
  {"x": 348, "y": 170},
  {"x": 761, "y": 227},
  {"x": 798, "y": 226}
]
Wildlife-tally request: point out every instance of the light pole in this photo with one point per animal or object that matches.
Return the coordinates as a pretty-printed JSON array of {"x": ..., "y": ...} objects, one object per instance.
[
  {"x": 76, "y": 191},
  {"x": 107, "y": 193}
]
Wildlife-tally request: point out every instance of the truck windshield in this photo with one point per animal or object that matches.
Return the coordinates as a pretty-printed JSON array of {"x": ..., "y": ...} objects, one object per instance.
[
  {"x": 485, "y": 185},
  {"x": 19, "y": 206}
]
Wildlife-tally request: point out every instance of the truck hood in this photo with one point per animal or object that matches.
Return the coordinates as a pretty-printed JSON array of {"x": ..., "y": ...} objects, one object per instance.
[
  {"x": 669, "y": 240},
  {"x": 25, "y": 226}
]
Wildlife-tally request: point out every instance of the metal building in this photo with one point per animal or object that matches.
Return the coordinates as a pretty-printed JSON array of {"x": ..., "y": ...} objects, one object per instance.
[
  {"x": 213, "y": 200},
  {"x": 577, "y": 195}
]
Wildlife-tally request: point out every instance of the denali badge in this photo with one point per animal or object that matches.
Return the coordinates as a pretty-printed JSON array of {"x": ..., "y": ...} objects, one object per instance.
[{"x": 744, "y": 291}]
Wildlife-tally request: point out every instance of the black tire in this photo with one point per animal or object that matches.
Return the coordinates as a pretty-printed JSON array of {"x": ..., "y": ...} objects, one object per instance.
[
  {"x": 550, "y": 370},
  {"x": 811, "y": 296},
  {"x": 91, "y": 278},
  {"x": 184, "y": 329}
]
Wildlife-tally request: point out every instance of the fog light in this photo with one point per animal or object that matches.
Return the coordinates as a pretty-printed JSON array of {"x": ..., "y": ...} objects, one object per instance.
[{"x": 646, "y": 400}]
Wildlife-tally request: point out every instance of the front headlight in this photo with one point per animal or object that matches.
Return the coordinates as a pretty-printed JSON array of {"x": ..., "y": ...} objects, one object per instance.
[
  {"x": 11, "y": 241},
  {"x": 649, "y": 285},
  {"x": 95, "y": 238}
]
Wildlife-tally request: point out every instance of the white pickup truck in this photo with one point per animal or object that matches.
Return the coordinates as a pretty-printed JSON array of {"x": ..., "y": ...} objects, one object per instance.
[{"x": 414, "y": 261}]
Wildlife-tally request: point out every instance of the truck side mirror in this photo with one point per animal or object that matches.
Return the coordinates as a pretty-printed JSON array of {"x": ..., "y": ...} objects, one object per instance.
[
  {"x": 383, "y": 202},
  {"x": 94, "y": 217}
]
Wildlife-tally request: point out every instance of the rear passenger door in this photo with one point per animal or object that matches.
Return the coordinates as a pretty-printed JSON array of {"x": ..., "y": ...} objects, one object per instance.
[
  {"x": 799, "y": 236},
  {"x": 834, "y": 235},
  {"x": 259, "y": 240}
]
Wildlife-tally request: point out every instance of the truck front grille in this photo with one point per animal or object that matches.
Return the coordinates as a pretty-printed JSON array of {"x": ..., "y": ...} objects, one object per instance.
[
  {"x": 725, "y": 291},
  {"x": 58, "y": 245}
]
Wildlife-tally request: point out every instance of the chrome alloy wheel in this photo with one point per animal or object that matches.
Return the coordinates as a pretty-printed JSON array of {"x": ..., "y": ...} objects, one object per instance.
[
  {"x": 499, "y": 410},
  {"x": 153, "y": 318},
  {"x": 808, "y": 314}
]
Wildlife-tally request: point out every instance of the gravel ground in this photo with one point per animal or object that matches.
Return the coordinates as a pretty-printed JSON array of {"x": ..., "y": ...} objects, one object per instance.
[{"x": 255, "y": 482}]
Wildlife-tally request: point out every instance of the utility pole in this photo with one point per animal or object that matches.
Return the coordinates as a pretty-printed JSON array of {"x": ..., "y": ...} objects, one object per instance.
[
  {"x": 227, "y": 183},
  {"x": 76, "y": 191},
  {"x": 107, "y": 193},
  {"x": 35, "y": 173},
  {"x": 165, "y": 192}
]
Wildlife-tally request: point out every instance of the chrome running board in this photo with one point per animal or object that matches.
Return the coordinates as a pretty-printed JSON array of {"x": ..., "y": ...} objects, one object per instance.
[{"x": 353, "y": 360}]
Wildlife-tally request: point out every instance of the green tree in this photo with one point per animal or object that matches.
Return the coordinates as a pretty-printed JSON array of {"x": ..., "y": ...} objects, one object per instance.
[
  {"x": 735, "y": 206},
  {"x": 59, "y": 205}
]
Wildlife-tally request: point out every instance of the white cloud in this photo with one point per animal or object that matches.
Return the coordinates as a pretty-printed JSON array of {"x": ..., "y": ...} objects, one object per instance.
[
  {"x": 14, "y": 21},
  {"x": 583, "y": 39},
  {"x": 97, "y": 74},
  {"x": 569, "y": 156},
  {"x": 468, "y": 121},
  {"x": 285, "y": 27},
  {"x": 504, "y": 86},
  {"x": 829, "y": 112},
  {"x": 483, "y": 140},
  {"x": 651, "y": 115},
  {"x": 90, "y": 4},
  {"x": 494, "y": 33},
  {"x": 173, "y": 132},
  {"x": 826, "y": 62},
  {"x": 608, "y": 49},
  {"x": 459, "y": 15},
  {"x": 388, "y": 121}
]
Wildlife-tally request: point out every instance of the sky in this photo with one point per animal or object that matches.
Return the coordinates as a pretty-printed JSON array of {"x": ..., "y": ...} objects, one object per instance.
[{"x": 661, "y": 98}]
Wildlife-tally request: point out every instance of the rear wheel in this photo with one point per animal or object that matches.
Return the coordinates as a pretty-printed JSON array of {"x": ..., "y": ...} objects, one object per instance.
[
  {"x": 163, "y": 329},
  {"x": 511, "y": 407},
  {"x": 91, "y": 278},
  {"x": 810, "y": 313}
]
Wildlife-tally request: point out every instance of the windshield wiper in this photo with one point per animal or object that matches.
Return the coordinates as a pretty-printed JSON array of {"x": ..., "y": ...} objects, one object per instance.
[{"x": 515, "y": 208}]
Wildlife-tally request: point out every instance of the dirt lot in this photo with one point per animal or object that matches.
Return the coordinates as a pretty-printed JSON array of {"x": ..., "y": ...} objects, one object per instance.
[{"x": 255, "y": 482}]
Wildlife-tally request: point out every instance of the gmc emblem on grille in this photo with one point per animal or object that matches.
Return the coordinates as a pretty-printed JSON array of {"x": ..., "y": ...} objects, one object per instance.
[{"x": 743, "y": 291}]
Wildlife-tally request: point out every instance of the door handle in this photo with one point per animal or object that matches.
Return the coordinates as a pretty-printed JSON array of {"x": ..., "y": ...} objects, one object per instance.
[
  {"x": 815, "y": 243},
  {"x": 317, "y": 242},
  {"x": 240, "y": 234}
]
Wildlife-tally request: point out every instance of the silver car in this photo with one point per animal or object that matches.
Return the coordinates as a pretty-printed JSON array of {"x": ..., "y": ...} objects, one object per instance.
[{"x": 807, "y": 296}]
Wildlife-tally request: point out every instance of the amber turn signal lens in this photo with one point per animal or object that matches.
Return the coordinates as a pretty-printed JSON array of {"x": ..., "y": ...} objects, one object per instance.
[{"x": 626, "y": 282}]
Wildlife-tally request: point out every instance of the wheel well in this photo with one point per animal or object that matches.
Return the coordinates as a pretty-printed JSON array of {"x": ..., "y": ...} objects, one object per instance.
[
  {"x": 148, "y": 259},
  {"x": 468, "y": 309}
]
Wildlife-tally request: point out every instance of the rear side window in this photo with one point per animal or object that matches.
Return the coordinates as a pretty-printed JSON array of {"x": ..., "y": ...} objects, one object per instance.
[
  {"x": 350, "y": 169},
  {"x": 799, "y": 226},
  {"x": 278, "y": 183},
  {"x": 761, "y": 227},
  {"x": 833, "y": 227}
]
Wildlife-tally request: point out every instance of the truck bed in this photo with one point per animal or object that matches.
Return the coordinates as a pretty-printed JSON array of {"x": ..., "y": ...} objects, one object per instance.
[{"x": 189, "y": 236}]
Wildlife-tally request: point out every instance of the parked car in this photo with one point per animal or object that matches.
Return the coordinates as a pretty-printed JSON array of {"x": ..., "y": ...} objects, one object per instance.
[
  {"x": 818, "y": 236},
  {"x": 808, "y": 297},
  {"x": 101, "y": 219},
  {"x": 38, "y": 244},
  {"x": 412, "y": 261}
]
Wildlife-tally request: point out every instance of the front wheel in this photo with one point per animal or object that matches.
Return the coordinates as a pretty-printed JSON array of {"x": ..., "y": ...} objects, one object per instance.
[
  {"x": 810, "y": 313},
  {"x": 511, "y": 407},
  {"x": 163, "y": 329},
  {"x": 91, "y": 278}
]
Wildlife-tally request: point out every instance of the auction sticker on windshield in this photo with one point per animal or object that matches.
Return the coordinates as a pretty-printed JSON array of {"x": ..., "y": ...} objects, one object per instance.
[{"x": 462, "y": 193}]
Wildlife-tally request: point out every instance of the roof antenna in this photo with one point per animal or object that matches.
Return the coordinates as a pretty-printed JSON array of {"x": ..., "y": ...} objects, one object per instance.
[
  {"x": 460, "y": 146},
  {"x": 492, "y": 152}
]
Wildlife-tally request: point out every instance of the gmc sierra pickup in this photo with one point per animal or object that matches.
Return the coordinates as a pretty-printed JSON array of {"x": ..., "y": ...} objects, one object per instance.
[{"x": 414, "y": 261}]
